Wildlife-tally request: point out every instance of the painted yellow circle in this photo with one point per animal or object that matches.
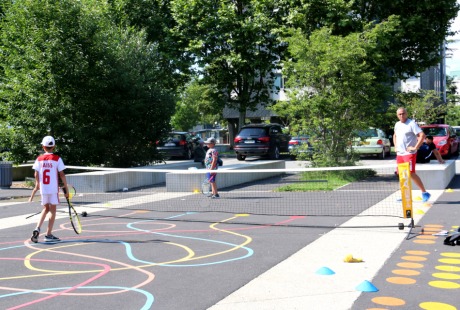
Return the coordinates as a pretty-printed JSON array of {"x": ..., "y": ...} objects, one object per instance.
[
  {"x": 449, "y": 261},
  {"x": 444, "y": 284},
  {"x": 241, "y": 214},
  {"x": 401, "y": 280},
  {"x": 454, "y": 226},
  {"x": 436, "y": 306},
  {"x": 418, "y": 252},
  {"x": 424, "y": 241},
  {"x": 439, "y": 226},
  {"x": 410, "y": 265},
  {"x": 448, "y": 268},
  {"x": 451, "y": 254},
  {"x": 406, "y": 272},
  {"x": 414, "y": 258},
  {"x": 388, "y": 301},
  {"x": 447, "y": 276}
]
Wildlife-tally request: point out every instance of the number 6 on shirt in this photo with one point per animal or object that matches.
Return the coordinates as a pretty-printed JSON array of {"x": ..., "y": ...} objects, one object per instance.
[{"x": 74, "y": 219}]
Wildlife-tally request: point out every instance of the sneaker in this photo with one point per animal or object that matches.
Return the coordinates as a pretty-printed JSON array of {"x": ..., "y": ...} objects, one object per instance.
[
  {"x": 426, "y": 196},
  {"x": 399, "y": 199},
  {"x": 216, "y": 196},
  {"x": 35, "y": 234},
  {"x": 51, "y": 238}
]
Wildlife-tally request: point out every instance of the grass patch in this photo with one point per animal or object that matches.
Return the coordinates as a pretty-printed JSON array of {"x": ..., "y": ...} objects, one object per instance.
[{"x": 334, "y": 180}]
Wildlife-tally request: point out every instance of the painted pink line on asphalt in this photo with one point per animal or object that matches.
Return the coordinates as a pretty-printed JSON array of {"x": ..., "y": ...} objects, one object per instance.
[{"x": 106, "y": 270}]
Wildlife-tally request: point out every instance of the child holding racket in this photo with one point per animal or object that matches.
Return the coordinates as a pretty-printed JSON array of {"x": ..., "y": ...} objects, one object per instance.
[
  {"x": 211, "y": 164},
  {"x": 47, "y": 167}
]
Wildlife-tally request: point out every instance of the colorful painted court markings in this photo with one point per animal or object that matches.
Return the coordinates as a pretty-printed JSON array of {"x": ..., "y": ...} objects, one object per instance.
[
  {"x": 432, "y": 229},
  {"x": 406, "y": 272},
  {"x": 436, "y": 306},
  {"x": 241, "y": 214},
  {"x": 401, "y": 280},
  {"x": 448, "y": 268},
  {"x": 444, "y": 284},
  {"x": 450, "y": 261},
  {"x": 450, "y": 254},
  {"x": 414, "y": 258},
  {"x": 417, "y": 252},
  {"x": 410, "y": 265},
  {"x": 388, "y": 301},
  {"x": 446, "y": 276}
]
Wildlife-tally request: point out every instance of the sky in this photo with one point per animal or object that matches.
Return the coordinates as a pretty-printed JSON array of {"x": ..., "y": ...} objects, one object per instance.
[{"x": 453, "y": 64}]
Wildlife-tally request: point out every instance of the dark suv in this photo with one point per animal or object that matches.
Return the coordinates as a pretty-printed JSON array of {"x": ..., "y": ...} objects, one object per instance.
[{"x": 261, "y": 140}]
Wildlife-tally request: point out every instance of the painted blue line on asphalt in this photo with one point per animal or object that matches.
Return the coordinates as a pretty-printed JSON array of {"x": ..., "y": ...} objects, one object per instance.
[
  {"x": 250, "y": 251},
  {"x": 146, "y": 306}
]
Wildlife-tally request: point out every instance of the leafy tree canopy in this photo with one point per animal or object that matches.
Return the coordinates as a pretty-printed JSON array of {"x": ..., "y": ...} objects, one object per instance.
[
  {"x": 333, "y": 91},
  {"x": 235, "y": 46},
  {"x": 72, "y": 73},
  {"x": 413, "y": 47}
]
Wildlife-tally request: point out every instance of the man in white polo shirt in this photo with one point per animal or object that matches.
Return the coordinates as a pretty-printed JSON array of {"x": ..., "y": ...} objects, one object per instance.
[{"x": 406, "y": 146}]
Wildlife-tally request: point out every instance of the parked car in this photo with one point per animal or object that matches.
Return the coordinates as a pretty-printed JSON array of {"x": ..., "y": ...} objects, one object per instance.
[
  {"x": 178, "y": 144},
  {"x": 372, "y": 141},
  {"x": 444, "y": 137},
  {"x": 300, "y": 144},
  {"x": 261, "y": 140}
]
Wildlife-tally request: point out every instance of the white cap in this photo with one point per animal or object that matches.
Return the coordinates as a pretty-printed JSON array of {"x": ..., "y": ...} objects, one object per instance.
[
  {"x": 48, "y": 141},
  {"x": 200, "y": 141},
  {"x": 210, "y": 140}
]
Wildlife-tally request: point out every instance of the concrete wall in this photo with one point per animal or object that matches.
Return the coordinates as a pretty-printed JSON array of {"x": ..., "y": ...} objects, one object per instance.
[
  {"x": 434, "y": 175},
  {"x": 108, "y": 181},
  {"x": 22, "y": 171},
  {"x": 184, "y": 182}
]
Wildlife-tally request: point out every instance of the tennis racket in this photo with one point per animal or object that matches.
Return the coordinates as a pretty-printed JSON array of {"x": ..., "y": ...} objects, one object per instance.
[
  {"x": 74, "y": 219},
  {"x": 206, "y": 187}
]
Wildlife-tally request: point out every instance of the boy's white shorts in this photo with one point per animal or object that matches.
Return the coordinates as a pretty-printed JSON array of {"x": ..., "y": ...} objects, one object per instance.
[{"x": 50, "y": 198}]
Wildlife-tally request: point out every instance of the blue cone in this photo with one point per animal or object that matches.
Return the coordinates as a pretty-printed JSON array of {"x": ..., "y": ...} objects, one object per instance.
[
  {"x": 325, "y": 271},
  {"x": 366, "y": 286},
  {"x": 399, "y": 199}
]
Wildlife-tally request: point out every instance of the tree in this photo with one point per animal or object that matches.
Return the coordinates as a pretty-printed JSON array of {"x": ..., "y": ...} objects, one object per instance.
[
  {"x": 413, "y": 47},
  {"x": 234, "y": 46},
  {"x": 453, "y": 103},
  {"x": 333, "y": 91},
  {"x": 155, "y": 18},
  {"x": 72, "y": 73},
  {"x": 196, "y": 106}
]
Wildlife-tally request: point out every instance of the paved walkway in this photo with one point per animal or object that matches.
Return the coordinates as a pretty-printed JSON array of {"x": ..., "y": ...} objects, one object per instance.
[{"x": 293, "y": 284}]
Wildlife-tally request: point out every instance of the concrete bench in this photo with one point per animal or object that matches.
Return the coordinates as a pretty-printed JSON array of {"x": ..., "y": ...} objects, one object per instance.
[
  {"x": 109, "y": 181},
  {"x": 187, "y": 182},
  {"x": 436, "y": 176}
]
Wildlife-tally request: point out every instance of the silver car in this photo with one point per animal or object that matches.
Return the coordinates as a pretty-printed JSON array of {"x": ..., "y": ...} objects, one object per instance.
[{"x": 372, "y": 141}]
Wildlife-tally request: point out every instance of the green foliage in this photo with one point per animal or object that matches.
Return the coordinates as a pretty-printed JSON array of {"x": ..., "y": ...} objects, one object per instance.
[
  {"x": 72, "y": 73},
  {"x": 453, "y": 103},
  {"x": 326, "y": 180},
  {"x": 333, "y": 92},
  {"x": 424, "y": 106},
  {"x": 234, "y": 46},
  {"x": 196, "y": 107},
  {"x": 413, "y": 46},
  {"x": 174, "y": 64}
]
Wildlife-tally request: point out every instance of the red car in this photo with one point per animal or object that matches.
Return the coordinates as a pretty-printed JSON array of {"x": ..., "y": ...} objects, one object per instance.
[{"x": 444, "y": 137}]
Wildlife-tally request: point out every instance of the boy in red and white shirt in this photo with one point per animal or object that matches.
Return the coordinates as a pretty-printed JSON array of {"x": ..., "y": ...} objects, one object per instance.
[{"x": 47, "y": 168}]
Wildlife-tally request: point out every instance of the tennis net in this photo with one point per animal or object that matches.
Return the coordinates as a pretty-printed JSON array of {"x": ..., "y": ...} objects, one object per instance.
[{"x": 312, "y": 192}]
